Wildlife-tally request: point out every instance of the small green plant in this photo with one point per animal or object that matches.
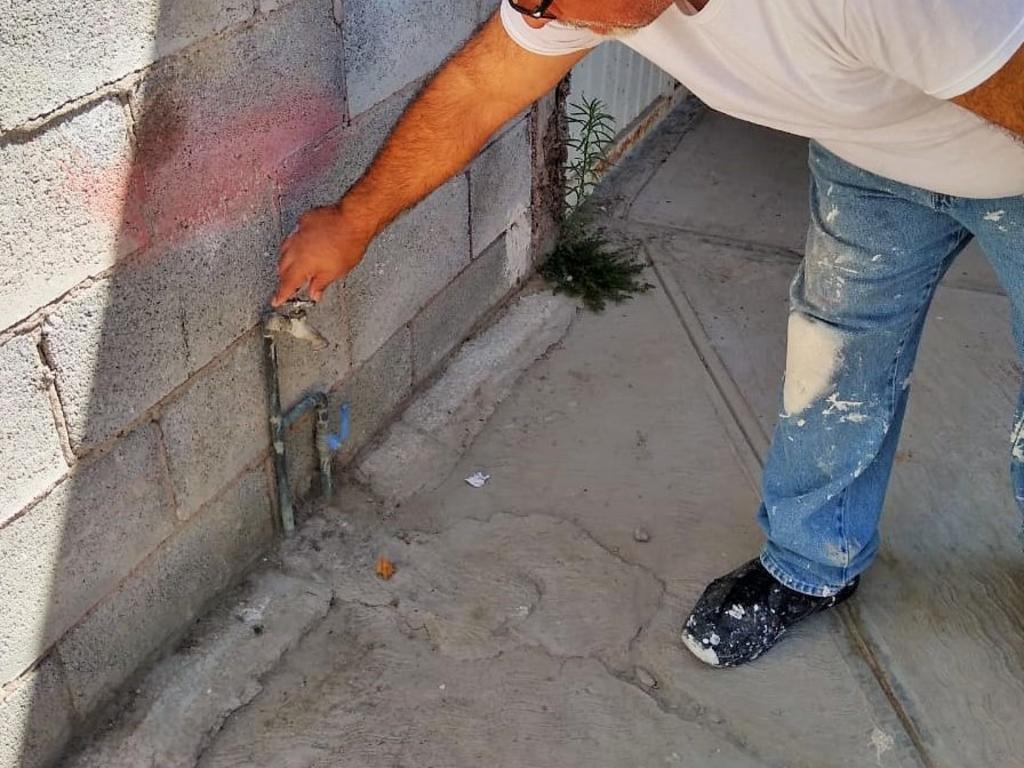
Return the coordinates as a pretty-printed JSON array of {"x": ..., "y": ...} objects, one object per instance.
[
  {"x": 592, "y": 130},
  {"x": 583, "y": 263},
  {"x": 586, "y": 267}
]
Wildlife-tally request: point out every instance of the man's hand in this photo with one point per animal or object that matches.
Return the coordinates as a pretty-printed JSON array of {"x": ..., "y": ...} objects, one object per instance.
[{"x": 323, "y": 248}]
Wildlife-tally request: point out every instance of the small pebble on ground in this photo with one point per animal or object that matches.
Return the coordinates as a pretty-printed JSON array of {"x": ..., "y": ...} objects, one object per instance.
[{"x": 645, "y": 678}]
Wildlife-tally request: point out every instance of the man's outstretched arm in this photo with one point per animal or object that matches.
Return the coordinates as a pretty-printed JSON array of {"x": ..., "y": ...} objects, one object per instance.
[
  {"x": 1000, "y": 99},
  {"x": 486, "y": 83}
]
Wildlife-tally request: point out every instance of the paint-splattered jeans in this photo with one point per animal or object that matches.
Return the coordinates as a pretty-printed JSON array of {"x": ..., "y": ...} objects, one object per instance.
[{"x": 876, "y": 250}]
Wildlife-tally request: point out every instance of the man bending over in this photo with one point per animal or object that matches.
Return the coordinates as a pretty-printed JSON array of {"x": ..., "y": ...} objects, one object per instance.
[{"x": 915, "y": 111}]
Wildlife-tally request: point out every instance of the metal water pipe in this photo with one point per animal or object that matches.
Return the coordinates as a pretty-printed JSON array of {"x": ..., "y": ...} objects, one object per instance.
[{"x": 290, "y": 318}]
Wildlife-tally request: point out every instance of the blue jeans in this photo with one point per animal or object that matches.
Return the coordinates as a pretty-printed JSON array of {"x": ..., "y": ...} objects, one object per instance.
[{"x": 876, "y": 250}]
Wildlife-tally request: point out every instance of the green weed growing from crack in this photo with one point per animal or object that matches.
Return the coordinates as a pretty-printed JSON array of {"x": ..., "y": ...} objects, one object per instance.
[{"x": 583, "y": 263}]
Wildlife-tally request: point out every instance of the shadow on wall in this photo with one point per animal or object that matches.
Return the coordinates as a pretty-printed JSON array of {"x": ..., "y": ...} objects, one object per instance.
[
  {"x": 156, "y": 361},
  {"x": 142, "y": 483}
]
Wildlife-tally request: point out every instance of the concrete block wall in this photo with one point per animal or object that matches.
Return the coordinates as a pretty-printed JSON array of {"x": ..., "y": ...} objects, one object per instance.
[{"x": 154, "y": 153}]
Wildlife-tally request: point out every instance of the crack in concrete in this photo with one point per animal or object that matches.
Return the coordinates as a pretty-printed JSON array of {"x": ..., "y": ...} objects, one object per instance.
[
  {"x": 631, "y": 645},
  {"x": 575, "y": 523},
  {"x": 692, "y": 712},
  {"x": 413, "y": 633},
  {"x": 698, "y": 715},
  {"x": 616, "y": 554},
  {"x": 539, "y": 586},
  {"x": 648, "y": 232}
]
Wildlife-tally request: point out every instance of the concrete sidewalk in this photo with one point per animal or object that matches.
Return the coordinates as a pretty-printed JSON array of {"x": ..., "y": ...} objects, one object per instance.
[{"x": 534, "y": 621}]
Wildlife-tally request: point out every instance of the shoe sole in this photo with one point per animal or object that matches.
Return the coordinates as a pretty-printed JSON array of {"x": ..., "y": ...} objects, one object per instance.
[{"x": 701, "y": 651}]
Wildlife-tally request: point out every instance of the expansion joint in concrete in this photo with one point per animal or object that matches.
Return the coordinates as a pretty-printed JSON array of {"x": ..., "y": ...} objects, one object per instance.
[
  {"x": 855, "y": 632},
  {"x": 751, "y": 444}
]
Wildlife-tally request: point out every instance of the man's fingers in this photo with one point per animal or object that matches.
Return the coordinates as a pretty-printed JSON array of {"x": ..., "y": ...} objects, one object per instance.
[
  {"x": 291, "y": 281},
  {"x": 317, "y": 286}
]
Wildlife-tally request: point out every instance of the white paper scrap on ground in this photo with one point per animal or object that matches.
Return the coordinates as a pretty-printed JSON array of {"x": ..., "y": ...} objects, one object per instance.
[{"x": 478, "y": 479}]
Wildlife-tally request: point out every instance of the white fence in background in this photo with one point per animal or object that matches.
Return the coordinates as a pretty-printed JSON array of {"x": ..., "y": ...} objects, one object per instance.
[{"x": 626, "y": 82}]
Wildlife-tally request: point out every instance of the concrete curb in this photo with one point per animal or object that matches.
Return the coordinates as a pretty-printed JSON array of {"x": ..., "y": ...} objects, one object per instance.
[
  {"x": 420, "y": 450},
  {"x": 187, "y": 697}
]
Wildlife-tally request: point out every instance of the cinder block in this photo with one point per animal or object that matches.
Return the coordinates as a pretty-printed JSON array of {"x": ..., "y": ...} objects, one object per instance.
[
  {"x": 217, "y": 426},
  {"x": 406, "y": 266},
  {"x": 122, "y": 345},
  {"x": 117, "y": 348},
  {"x": 320, "y": 173},
  {"x": 67, "y": 210},
  {"x": 151, "y": 610},
  {"x": 500, "y": 185},
  {"x": 215, "y": 124},
  {"x": 223, "y": 278},
  {"x": 35, "y": 718},
  {"x": 376, "y": 390},
  {"x": 73, "y": 547},
  {"x": 448, "y": 318},
  {"x": 30, "y": 454},
  {"x": 55, "y": 52},
  {"x": 390, "y": 43}
]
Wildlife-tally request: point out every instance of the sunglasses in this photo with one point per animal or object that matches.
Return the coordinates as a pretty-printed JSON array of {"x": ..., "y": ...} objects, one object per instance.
[{"x": 540, "y": 12}]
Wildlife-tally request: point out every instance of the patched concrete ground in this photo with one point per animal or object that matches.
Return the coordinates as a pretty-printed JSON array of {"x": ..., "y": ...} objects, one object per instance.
[{"x": 534, "y": 621}]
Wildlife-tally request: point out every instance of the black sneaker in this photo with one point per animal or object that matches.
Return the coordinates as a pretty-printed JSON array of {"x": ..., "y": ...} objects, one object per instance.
[{"x": 744, "y": 613}]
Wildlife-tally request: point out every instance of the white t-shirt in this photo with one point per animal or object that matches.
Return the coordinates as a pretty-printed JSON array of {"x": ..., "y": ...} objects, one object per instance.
[{"x": 868, "y": 79}]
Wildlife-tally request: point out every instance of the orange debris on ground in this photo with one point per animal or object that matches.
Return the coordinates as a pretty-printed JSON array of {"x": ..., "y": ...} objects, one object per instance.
[{"x": 385, "y": 568}]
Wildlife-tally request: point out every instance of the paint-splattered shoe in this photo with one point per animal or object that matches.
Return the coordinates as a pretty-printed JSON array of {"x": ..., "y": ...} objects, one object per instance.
[{"x": 744, "y": 613}]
